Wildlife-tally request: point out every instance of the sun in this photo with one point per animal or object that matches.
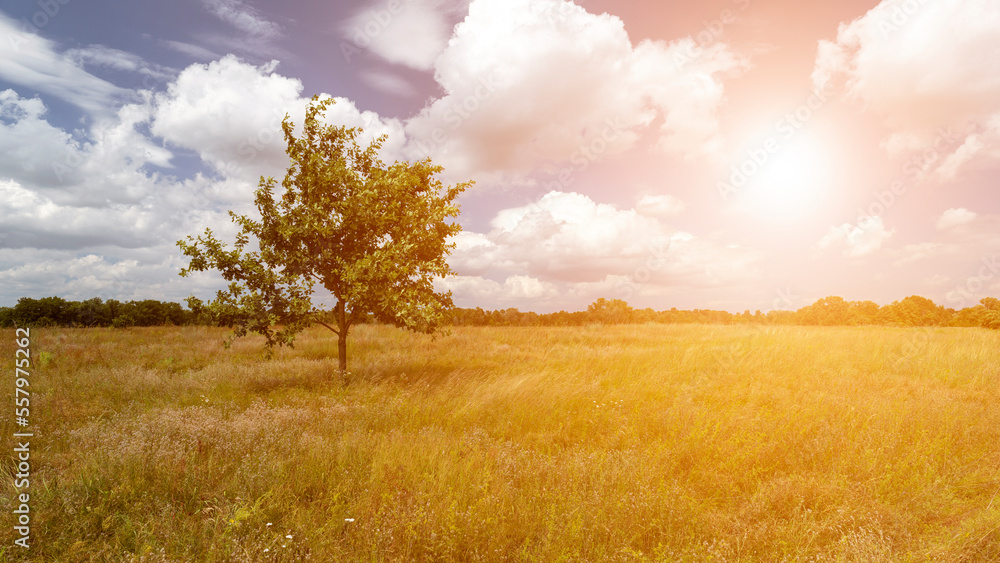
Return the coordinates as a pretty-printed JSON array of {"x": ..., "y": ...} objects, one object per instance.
[{"x": 794, "y": 180}]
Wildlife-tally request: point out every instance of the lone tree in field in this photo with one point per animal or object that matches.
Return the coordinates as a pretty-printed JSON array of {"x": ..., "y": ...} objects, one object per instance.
[{"x": 375, "y": 236}]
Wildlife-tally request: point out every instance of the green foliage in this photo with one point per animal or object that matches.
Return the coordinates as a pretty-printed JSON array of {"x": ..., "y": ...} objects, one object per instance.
[
  {"x": 123, "y": 321},
  {"x": 56, "y": 311},
  {"x": 375, "y": 236},
  {"x": 828, "y": 311},
  {"x": 614, "y": 311}
]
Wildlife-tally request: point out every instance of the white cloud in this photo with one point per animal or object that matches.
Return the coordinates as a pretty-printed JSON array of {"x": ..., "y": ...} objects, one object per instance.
[
  {"x": 191, "y": 50},
  {"x": 411, "y": 33},
  {"x": 29, "y": 145},
  {"x": 480, "y": 290},
  {"x": 230, "y": 112},
  {"x": 31, "y": 220},
  {"x": 388, "y": 82},
  {"x": 98, "y": 166},
  {"x": 660, "y": 206},
  {"x": 857, "y": 240},
  {"x": 32, "y": 61},
  {"x": 921, "y": 251},
  {"x": 536, "y": 82},
  {"x": 567, "y": 238},
  {"x": 955, "y": 217},
  {"x": 79, "y": 277},
  {"x": 93, "y": 190},
  {"x": 244, "y": 18},
  {"x": 115, "y": 59},
  {"x": 937, "y": 279},
  {"x": 924, "y": 66}
]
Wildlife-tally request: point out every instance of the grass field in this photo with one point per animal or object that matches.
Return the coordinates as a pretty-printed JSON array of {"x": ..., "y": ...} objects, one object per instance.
[{"x": 625, "y": 443}]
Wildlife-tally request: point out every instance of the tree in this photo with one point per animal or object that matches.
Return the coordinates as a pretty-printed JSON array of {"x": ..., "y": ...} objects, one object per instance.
[
  {"x": 609, "y": 311},
  {"x": 374, "y": 236},
  {"x": 914, "y": 311},
  {"x": 828, "y": 311},
  {"x": 991, "y": 315}
]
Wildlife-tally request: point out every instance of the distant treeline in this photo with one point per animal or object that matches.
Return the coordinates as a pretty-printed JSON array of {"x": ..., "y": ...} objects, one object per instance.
[
  {"x": 829, "y": 311},
  {"x": 912, "y": 311},
  {"x": 56, "y": 311}
]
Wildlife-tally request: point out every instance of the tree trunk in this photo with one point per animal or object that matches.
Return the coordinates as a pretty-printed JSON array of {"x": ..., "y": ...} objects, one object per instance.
[
  {"x": 342, "y": 353},
  {"x": 343, "y": 325}
]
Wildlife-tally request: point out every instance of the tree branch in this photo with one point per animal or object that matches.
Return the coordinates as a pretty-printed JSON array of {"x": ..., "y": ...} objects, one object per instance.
[{"x": 335, "y": 331}]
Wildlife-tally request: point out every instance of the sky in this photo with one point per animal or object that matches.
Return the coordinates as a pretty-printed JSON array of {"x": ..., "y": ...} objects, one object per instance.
[{"x": 724, "y": 154}]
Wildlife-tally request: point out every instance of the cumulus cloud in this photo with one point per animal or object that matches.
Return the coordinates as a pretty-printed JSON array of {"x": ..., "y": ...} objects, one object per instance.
[
  {"x": 230, "y": 112},
  {"x": 78, "y": 277},
  {"x": 955, "y": 217},
  {"x": 857, "y": 240},
  {"x": 411, "y": 33},
  {"x": 104, "y": 190},
  {"x": 529, "y": 83},
  {"x": 516, "y": 288},
  {"x": 660, "y": 206},
  {"x": 568, "y": 236},
  {"x": 29, "y": 145},
  {"x": 568, "y": 239},
  {"x": 31, "y": 220},
  {"x": 924, "y": 66},
  {"x": 102, "y": 165}
]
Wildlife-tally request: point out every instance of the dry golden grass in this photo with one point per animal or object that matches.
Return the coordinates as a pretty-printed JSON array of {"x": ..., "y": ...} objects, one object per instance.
[{"x": 629, "y": 443}]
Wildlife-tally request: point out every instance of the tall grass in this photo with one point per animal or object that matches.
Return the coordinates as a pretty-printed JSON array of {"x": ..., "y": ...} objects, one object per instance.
[{"x": 628, "y": 443}]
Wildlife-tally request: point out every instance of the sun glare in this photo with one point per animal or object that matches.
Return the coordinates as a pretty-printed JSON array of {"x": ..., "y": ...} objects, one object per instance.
[{"x": 794, "y": 181}]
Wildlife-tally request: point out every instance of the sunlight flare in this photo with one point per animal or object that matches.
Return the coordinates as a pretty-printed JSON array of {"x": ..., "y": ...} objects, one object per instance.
[{"x": 793, "y": 182}]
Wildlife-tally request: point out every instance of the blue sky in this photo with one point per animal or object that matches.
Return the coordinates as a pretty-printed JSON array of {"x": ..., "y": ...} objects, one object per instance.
[{"x": 734, "y": 154}]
